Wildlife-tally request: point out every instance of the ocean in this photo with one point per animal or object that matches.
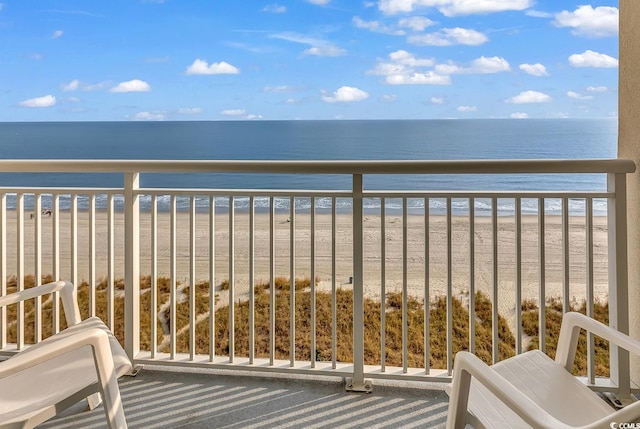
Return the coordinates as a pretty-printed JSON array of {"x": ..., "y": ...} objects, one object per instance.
[{"x": 316, "y": 140}]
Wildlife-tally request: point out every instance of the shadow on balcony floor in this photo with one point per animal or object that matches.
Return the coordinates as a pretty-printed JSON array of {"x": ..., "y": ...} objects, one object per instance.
[{"x": 170, "y": 399}]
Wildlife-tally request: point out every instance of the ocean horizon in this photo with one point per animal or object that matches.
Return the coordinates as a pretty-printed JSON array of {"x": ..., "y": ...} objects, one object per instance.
[{"x": 320, "y": 140}]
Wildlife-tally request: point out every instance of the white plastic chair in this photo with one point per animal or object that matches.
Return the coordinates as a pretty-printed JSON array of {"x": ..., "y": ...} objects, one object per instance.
[
  {"x": 81, "y": 361},
  {"x": 532, "y": 390}
]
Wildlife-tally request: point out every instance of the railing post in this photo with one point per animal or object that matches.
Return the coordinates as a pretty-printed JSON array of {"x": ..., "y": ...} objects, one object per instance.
[
  {"x": 131, "y": 264},
  {"x": 358, "y": 383},
  {"x": 618, "y": 280}
]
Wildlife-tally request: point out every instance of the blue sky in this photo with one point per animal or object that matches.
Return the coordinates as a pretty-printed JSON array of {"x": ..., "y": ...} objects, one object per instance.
[{"x": 120, "y": 60}]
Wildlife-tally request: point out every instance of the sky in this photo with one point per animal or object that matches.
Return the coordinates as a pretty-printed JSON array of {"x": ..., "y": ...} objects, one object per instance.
[{"x": 201, "y": 60}]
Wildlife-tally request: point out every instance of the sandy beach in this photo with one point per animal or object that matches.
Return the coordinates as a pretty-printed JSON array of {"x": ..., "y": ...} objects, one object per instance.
[{"x": 393, "y": 266}]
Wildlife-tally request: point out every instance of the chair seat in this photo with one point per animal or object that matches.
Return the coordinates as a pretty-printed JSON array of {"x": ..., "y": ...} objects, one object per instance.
[
  {"x": 61, "y": 379},
  {"x": 547, "y": 384}
]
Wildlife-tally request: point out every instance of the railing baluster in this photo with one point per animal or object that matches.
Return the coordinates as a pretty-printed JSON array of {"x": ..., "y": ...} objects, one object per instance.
[
  {"x": 472, "y": 275},
  {"x": 232, "y": 281},
  {"x": 173, "y": 281},
  {"x": 20, "y": 268},
  {"x": 92, "y": 255},
  {"x": 212, "y": 278},
  {"x": 495, "y": 339},
  {"x": 383, "y": 284},
  {"x": 292, "y": 281},
  {"x": 154, "y": 276},
  {"x": 589, "y": 302},
  {"x": 252, "y": 280},
  {"x": 272, "y": 280},
  {"x": 313, "y": 282},
  {"x": 334, "y": 304},
  {"x": 518, "y": 323},
  {"x": 192, "y": 279},
  {"x": 111, "y": 263},
  {"x": 405, "y": 288},
  {"x": 566, "y": 267},
  {"x": 37, "y": 277},
  {"x": 55, "y": 230},
  {"x": 74, "y": 240},
  {"x": 542, "y": 295},
  {"x": 427, "y": 294},
  {"x": 449, "y": 291}
]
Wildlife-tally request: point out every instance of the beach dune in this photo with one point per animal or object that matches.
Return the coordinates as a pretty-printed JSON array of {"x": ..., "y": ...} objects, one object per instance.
[{"x": 437, "y": 252}]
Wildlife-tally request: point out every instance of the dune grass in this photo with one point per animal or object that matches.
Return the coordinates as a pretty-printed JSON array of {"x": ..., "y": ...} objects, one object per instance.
[{"x": 323, "y": 314}]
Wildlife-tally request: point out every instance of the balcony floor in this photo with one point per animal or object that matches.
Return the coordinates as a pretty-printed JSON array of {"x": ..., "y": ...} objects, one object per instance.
[{"x": 164, "y": 397}]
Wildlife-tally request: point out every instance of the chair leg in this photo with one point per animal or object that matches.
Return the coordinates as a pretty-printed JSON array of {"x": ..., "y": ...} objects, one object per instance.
[{"x": 94, "y": 400}]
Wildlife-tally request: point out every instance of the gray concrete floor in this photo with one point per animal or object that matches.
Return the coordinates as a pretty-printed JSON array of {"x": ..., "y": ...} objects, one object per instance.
[{"x": 165, "y": 398}]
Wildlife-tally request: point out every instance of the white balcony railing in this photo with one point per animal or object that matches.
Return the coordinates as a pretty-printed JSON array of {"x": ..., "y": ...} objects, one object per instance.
[{"x": 190, "y": 236}]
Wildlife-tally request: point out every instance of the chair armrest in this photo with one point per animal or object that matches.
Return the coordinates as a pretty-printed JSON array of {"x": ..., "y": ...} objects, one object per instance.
[
  {"x": 572, "y": 322},
  {"x": 98, "y": 340},
  {"x": 468, "y": 366},
  {"x": 94, "y": 337},
  {"x": 68, "y": 295}
]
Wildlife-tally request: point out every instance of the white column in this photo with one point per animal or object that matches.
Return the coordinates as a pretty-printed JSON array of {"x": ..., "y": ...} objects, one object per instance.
[
  {"x": 132, "y": 264},
  {"x": 629, "y": 147}
]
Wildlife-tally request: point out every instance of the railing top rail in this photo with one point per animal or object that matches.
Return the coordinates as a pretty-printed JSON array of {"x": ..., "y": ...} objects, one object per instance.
[{"x": 502, "y": 166}]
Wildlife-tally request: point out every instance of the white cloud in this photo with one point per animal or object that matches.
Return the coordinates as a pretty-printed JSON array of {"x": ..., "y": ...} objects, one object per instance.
[
  {"x": 71, "y": 86},
  {"x": 190, "y": 110},
  {"x": 527, "y": 97},
  {"x": 319, "y": 2},
  {"x": 325, "y": 51},
  {"x": 254, "y": 117},
  {"x": 589, "y": 22},
  {"x": 1, "y": 6},
  {"x": 402, "y": 70},
  {"x": 592, "y": 59},
  {"x": 319, "y": 47},
  {"x": 437, "y": 100},
  {"x": 406, "y": 58},
  {"x": 466, "y": 108},
  {"x": 233, "y": 112},
  {"x": 279, "y": 88},
  {"x": 416, "y": 23},
  {"x": 291, "y": 101},
  {"x": 56, "y": 34},
  {"x": 519, "y": 115},
  {"x": 376, "y": 27},
  {"x": 45, "y": 101},
  {"x": 538, "y": 14},
  {"x": 389, "y": 98},
  {"x": 597, "y": 89},
  {"x": 468, "y": 7},
  {"x": 201, "y": 67},
  {"x": 449, "y": 37},
  {"x": 482, "y": 65},
  {"x": 453, "y": 7},
  {"x": 274, "y": 8},
  {"x": 577, "y": 96},
  {"x": 75, "y": 85},
  {"x": 346, "y": 94},
  {"x": 150, "y": 116},
  {"x": 534, "y": 69},
  {"x": 489, "y": 65},
  {"x": 426, "y": 78},
  {"x": 135, "y": 85}
]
